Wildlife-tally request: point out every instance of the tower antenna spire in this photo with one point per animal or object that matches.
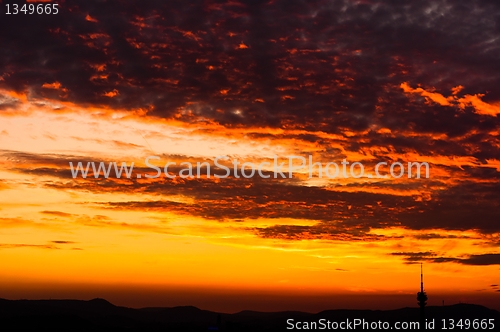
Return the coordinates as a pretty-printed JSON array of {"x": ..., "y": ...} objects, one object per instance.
[
  {"x": 422, "y": 297},
  {"x": 421, "y": 278}
]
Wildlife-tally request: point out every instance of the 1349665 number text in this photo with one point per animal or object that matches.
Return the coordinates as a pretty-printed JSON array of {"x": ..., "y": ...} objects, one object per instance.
[{"x": 32, "y": 9}]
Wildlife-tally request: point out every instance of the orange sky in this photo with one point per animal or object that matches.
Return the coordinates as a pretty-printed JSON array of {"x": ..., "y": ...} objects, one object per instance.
[{"x": 57, "y": 230}]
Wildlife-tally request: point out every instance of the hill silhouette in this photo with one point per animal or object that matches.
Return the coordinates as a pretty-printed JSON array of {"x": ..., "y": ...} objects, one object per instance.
[{"x": 101, "y": 315}]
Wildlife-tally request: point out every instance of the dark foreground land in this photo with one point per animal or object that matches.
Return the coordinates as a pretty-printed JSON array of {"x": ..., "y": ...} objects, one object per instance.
[{"x": 100, "y": 315}]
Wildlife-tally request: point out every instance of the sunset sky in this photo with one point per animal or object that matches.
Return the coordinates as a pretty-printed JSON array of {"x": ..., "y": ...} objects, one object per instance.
[{"x": 187, "y": 81}]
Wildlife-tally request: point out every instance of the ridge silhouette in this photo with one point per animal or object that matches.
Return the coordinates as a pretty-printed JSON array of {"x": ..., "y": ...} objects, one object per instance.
[{"x": 101, "y": 315}]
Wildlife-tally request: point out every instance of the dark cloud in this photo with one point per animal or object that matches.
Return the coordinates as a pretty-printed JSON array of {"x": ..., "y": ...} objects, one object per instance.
[
  {"x": 52, "y": 245},
  {"x": 484, "y": 259},
  {"x": 323, "y": 231},
  {"x": 465, "y": 206},
  {"x": 349, "y": 210},
  {"x": 481, "y": 259},
  {"x": 318, "y": 65},
  {"x": 23, "y": 245},
  {"x": 432, "y": 236},
  {"x": 57, "y": 213}
]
